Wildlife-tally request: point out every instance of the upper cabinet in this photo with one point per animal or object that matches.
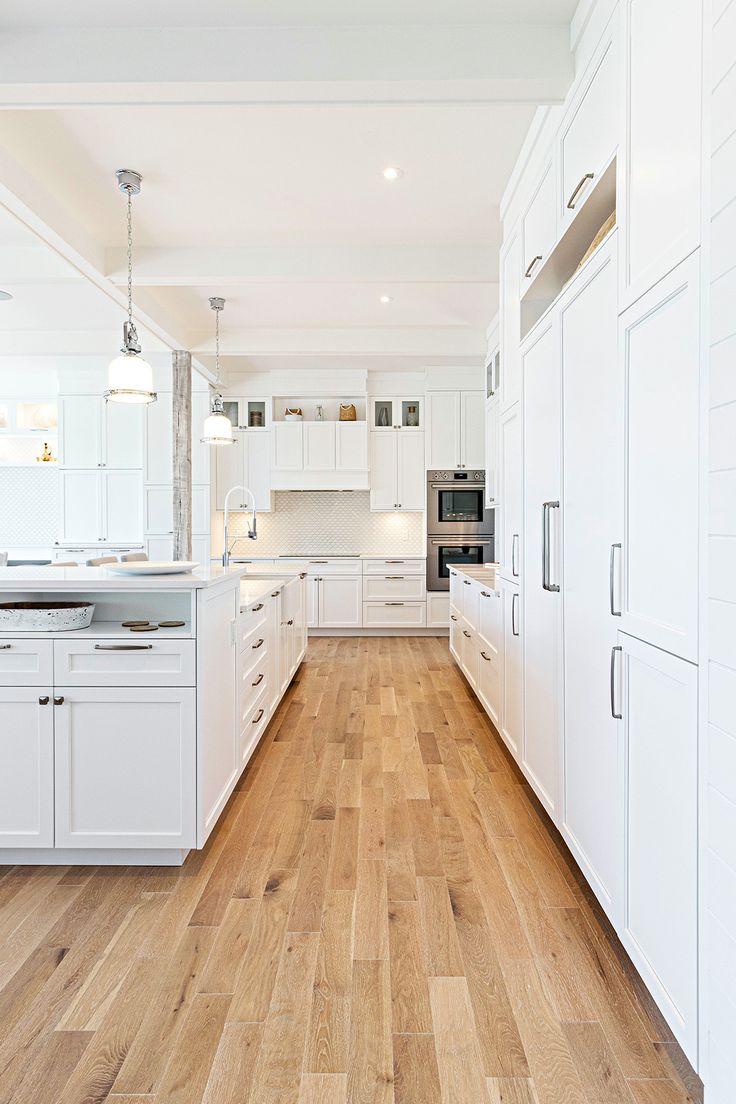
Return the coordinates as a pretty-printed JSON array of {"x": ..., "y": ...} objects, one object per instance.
[
  {"x": 589, "y": 135},
  {"x": 248, "y": 413},
  {"x": 455, "y": 429},
  {"x": 659, "y": 166},
  {"x": 98, "y": 434},
  {"x": 397, "y": 413},
  {"x": 539, "y": 228},
  {"x": 246, "y": 463},
  {"x": 397, "y": 470},
  {"x": 510, "y": 280}
]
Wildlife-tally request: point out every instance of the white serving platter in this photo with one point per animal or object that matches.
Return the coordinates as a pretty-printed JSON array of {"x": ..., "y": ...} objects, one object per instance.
[{"x": 153, "y": 567}]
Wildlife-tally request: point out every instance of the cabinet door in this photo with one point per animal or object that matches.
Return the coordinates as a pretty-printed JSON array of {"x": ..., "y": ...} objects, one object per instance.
[
  {"x": 125, "y": 767},
  {"x": 123, "y": 435},
  {"x": 159, "y": 510},
  {"x": 472, "y": 427},
  {"x": 491, "y": 451},
  {"x": 410, "y": 472},
  {"x": 542, "y": 563},
  {"x": 286, "y": 446},
  {"x": 162, "y": 548},
  {"x": 661, "y": 353},
  {"x": 509, "y": 552},
  {"x": 590, "y": 134},
  {"x": 512, "y": 728},
  {"x": 230, "y": 468},
  {"x": 592, "y": 518},
  {"x": 443, "y": 429},
  {"x": 81, "y": 506},
  {"x": 257, "y": 475},
  {"x": 123, "y": 507},
  {"x": 26, "y": 767},
  {"x": 351, "y": 446},
  {"x": 312, "y": 592},
  {"x": 384, "y": 451},
  {"x": 340, "y": 601},
  {"x": 159, "y": 440},
  {"x": 660, "y": 723},
  {"x": 80, "y": 431},
  {"x": 538, "y": 229},
  {"x": 660, "y": 160},
  {"x": 319, "y": 446},
  {"x": 510, "y": 315}
]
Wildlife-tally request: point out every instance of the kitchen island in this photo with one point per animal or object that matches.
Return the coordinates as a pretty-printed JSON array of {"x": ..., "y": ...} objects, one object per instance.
[{"x": 123, "y": 747}]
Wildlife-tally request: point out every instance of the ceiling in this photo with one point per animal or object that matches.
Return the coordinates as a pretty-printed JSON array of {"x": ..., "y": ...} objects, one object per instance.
[{"x": 281, "y": 207}]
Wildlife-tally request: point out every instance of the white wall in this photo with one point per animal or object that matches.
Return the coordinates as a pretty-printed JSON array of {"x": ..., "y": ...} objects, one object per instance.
[{"x": 720, "y": 794}]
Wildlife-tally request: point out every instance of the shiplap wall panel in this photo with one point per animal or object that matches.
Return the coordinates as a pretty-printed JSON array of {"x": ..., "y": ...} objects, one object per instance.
[{"x": 720, "y": 812}]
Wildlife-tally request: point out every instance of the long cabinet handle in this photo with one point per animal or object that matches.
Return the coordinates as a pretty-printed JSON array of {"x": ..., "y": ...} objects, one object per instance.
[
  {"x": 547, "y": 507},
  {"x": 394, "y": 576},
  {"x": 466, "y": 633},
  {"x": 257, "y": 644},
  {"x": 616, "y": 648},
  {"x": 487, "y": 658},
  {"x": 514, "y": 554},
  {"x": 394, "y": 561},
  {"x": 514, "y": 615},
  {"x": 612, "y": 564},
  {"x": 259, "y": 680},
  {"x": 393, "y": 603},
  {"x": 255, "y": 609},
  {"x": 580, "y": 184},
  {"x": 530, "y": 267},
  {"x": 257, "y": 717},
  {"x": 123, "y": 647}
]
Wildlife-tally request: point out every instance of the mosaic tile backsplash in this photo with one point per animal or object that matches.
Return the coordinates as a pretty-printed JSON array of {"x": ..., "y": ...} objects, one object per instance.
[
  {"x": 29, "y": 506},
  {"x": 330, "y": 521}
]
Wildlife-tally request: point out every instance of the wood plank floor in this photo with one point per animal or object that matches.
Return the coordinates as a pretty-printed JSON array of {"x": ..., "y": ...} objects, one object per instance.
[{"x": 381, "y": 915}]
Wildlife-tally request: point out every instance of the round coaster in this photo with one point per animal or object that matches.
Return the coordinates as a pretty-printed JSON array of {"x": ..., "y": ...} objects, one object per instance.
[
  {"x": 144, "y": 628},
  {"x": 171, "y": 624},
  {"x": 134, "y": 624}
]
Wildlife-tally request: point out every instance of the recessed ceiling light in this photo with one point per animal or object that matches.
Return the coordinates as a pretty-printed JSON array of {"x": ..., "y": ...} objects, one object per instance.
[
  {"x": 392, "y": 172},
  {"x": 385, "y": 299},
  {"x": 5, "y": 295}
]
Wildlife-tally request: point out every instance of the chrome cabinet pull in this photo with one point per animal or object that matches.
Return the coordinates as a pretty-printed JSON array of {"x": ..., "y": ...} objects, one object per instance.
[
  {"x": 255, "y": 609},
  {"x": 257, "y": 644},
  {"x": 514, "y": 605},
  {"x": 576, "y": 189},
  {"x": 257, "y": 717},
  {"x": 44, "y": 700},
  {"x": 393, "y": 576},
  {"x": 616, "y": 716},
  {"x": 394, "y": 561},
  {"x": 393, "y": 603},
  {"x": 514, "y": 554},
  {"x": 319, "y": 561},
  {"x": 487, "y": 658},
  {"x": 123, "y": 647},
  {"x": 547, "y": 507},
  {"x": 259, "y": 680},
  {"x": 614, "y": 612},
  {"x": 530, "y": 267},
  {"x": 59, "y": 701}
]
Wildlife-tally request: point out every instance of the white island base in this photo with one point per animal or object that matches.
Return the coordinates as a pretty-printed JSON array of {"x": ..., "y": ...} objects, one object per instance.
[{"x": 122, "y": 748}]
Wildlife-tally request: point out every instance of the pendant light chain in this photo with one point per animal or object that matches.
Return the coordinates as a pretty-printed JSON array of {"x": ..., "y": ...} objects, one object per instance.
[
  {"x": 217, "y": 349},
  {"x": 130, "y": 256}
]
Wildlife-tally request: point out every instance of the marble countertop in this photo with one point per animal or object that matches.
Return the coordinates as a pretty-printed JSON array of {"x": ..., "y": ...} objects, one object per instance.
[
  {"x": 487, "y": 574},
  {"x": 55, "y": 579}
]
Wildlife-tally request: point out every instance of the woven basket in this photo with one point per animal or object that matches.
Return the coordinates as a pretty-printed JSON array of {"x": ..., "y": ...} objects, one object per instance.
[{"x": 347, "y": 412}]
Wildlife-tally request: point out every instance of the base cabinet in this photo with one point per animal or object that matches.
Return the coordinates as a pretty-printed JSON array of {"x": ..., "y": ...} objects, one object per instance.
[
  {"x": 26, "y": 766},
  {"x": 340, "y": 601}
]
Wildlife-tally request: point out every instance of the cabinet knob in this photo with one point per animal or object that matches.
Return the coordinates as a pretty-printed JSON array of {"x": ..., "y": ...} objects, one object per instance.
[
  {"x": 44, "y": 700},
  {"x": 59, "y": 701}
]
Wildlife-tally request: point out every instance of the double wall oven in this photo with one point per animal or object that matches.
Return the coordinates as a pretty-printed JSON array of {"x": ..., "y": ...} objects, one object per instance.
[{"x": 459, "y": 525}]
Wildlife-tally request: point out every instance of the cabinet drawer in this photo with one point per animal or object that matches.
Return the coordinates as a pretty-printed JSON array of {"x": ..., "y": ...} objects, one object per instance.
[
  {"x": 489, "y": 683},
  {"x": 26, "y": 662},
  {"x": 124, "y": 662},
  {"x": 252, "y": 724},
  {"x": 334, "y": 567},
  {"x": 252, "y": 620},
  {"x": 254, "y": 641},
  {"x": 379, "y": 615},
  {"x": 471, "y": 603},
  {"x": 470, "y": 652},
  {"x": 253, "y": 678},
  {"x": 386, "y": 588},
  {"x": 394, "y": 566}
]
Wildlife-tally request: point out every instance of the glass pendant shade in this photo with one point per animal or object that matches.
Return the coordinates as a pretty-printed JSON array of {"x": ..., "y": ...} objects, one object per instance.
[
  {"x": 130, "y": 380},
  {"x": 217, "y": 428}
]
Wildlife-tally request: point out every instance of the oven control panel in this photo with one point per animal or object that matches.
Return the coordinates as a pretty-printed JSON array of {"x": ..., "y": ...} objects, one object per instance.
[{"x": 456, "y": 476}]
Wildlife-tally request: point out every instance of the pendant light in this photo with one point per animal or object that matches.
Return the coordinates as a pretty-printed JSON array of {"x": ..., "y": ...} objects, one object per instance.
[
  {"x": 217, "y": 429},
  {"x": 129, "y": 376}
]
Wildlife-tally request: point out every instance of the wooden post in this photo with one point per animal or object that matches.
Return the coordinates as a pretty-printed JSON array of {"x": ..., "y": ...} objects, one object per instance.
[{"x": 182, "y": 465}]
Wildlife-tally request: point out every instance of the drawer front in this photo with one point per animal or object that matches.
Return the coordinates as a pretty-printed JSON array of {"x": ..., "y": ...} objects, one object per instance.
[
  {"x": 124, "y": 662},
  {"x": 253, "y": 679},
  {"x": 470, "y": 651},
  {"x": 395, "y": 566},
  {"x": 387, "y": 588},
  {"x": 387, "y": 615},
  {"x": 334, "y": 567},
  {"x": 489, "y": 684},
  {"x": 26, "y": 662},
  {"x": 252, "y": 618},
  {"x": 490, "y": 618},
  {"x": 253, "y": 724},
  {"x": 254, "y": 641},
  {"x": 471, "y": 603}
]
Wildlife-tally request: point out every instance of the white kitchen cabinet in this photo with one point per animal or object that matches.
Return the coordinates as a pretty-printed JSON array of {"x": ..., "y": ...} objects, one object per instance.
[
  {"x": 394, "y": 587},
  {"x": 589, "y": 134},
  {"x": 351, "y": 446},
  {"x": 539, "y": 227},
  {"x": 492, "y": 460},
  {"x": 469, "y": 653},
  {"x": 98, "y": 434},
  {"x": 659, "y": 714},
  {"x": 509, "y": 545},
  {"x": 122, "y": 436},
  {"x": 397, "y": 470},
  {"x": 26, "y": 766},
  {"x": 660, "y": 349},
  {"x": 542, "y": 562},
  {"x": 246, "y": 463},
  {"x": 438, "y": 609},
  {"x": 443, "y": 429},
  {"x": 99, "y": 506},
  {"x": 592, "y": 518},
  {"x": 230, "y": 469},
  {"x": 287, "y": 446},
  {"x": 397, "y": 413},
  {"x": 319, "y": 446},
  {"x": 122, "y": 507},
  {"x": 312, "y": 600},
  {"x": 125, "y": 767},
  {"x": 512, "y": 727},
  {"x": 340, "y": 601},
  {"x": 26, "y": 662},
  {"x": 158, "y": 505},
  {"x": 660, "y": 158},
  {"x": 510, "y": 317},
  {"x": 490, "y": 661},
  {"x": 472, "y": 428},
  {"x": 394, "y": 615},
  {"x": 159, "y": 440}
]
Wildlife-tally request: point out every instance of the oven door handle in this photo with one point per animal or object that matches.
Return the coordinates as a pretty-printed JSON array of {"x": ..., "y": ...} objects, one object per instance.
[
  {"x": 456, "y": 486},
  {"x": 459, "y": 543}
]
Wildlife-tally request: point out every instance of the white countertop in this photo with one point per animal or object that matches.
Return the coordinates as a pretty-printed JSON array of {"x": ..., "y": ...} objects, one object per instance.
[
  {"x": 487, "y": 574},
  {"x": 254, "y": 590},
  {"x": 54, "y": 579}
]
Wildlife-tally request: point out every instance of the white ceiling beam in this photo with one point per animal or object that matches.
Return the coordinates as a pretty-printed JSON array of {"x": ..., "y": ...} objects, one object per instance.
[
  {"x": 424, "y": 341},
  {"x": 312, "y": 264},
  {"x": 59, "y": 67},
  {"x": 35, "y": 264}
]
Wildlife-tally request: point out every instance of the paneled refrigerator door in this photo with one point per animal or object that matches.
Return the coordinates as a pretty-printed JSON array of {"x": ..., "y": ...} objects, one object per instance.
[
  {"x": 592, "y": 519},
  {"x": 508, "y": 552},
  {"x": 542, "y": 563}
]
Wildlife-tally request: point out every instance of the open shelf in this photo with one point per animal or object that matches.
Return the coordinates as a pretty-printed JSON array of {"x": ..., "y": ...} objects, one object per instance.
[{"x": 308, "y": 406}]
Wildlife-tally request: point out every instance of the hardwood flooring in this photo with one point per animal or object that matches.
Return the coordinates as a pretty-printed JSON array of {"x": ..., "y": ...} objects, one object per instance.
[{"x": 382, "y": 915}]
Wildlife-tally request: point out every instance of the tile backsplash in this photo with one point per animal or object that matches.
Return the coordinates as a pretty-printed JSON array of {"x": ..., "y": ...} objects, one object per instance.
[
  {"x": 330, "y": 521},
  {"x": 29, "y": 506}
]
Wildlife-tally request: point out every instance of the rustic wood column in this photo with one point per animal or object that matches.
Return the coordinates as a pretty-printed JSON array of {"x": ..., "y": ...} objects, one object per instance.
[{"x": 182, "y": 460}]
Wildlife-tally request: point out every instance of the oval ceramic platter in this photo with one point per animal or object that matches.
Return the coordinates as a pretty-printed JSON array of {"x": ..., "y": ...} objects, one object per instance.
[{"x": 153, "y": 567}]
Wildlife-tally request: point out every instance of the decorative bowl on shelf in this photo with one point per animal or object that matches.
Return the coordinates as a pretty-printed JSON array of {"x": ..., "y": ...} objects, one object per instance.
[
  {"x": 45, "y": 616},
  {"x": 293, "y": 414}
]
